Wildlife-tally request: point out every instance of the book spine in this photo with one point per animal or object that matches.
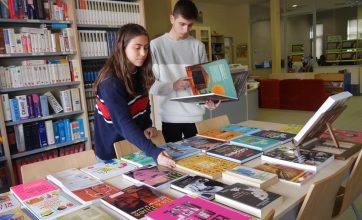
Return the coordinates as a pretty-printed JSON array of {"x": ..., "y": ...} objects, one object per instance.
[
  {"x": 6, "y": 107},
  {"x": 49, "y": 132},
  {"x": 56, "y": 132},
  {"x": 75, "y": 99},
  {"x": 61, "y": 130},
  {"x": 36, "y": 105},
  {"x": 67, "y": 129},
  {"x": 42, "y": 134},
  {"x": 44, "y": 105},
  {"x": 14, "y": 108},
  {"x": 30, "y": 106},
  {"x": 81, "y": 128},
  {"x": 23, "y": 107},
  {"x": 20, "y": 139},
  {"x": 53, "y": 102}
]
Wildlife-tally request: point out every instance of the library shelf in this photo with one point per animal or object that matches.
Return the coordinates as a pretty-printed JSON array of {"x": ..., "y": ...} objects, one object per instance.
[
  {"x": 67, "y": 84},
  {"x": 33, "y": 21},
  {"x": 29, "y": 55}
]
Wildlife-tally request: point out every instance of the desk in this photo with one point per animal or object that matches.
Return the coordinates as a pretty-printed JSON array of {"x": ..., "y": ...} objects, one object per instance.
[{"x": 293, "y": 195}]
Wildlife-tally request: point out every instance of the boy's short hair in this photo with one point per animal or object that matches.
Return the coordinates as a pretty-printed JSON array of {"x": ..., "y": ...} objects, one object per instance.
[{"x": 186, "y": 8}]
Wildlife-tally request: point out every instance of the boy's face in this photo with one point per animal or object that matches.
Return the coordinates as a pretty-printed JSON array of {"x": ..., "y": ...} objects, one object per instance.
[{"x": 181, "y": 26}]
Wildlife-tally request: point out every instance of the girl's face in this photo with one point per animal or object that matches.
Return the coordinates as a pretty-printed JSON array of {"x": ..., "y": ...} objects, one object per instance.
[{"x": 137, "y": 50}]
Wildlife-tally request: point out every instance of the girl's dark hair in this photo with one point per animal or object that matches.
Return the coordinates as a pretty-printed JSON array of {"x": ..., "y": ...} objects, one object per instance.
[
  {"x": 186, "y": 8},
  {"x": 117, "y": 66}
]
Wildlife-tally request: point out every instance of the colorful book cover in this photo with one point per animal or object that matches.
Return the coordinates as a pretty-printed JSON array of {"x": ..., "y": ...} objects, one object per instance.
[
  {"x": 200, "y": 186},
  {"x": 138, "y": 158},
  {"x": 234, "y": 153},
  {"x": 343, "y": 152},
  {"x": 240, "y": 129},
  {"x": 282, "y": 137},
  {"x": 254, "y": 142},
  {"x": 95, "y": 192},
  {"x": 8, "y": 202},
  {"x": 195, "y": 208},
  {"x": 153, "y": 175},
  {"x": 108, "y": 169},
  {"x": 15, "y": 214},
  {"x": 201, "y": 143},
  {"x": 301, "y": 159},
  {"x": 287, "y": 174},
  {"x": 205, "y": 165},
  {"x": 135, "y": 202},
  {"x": 210, "y": 81},
  {"x": 292, "y": 128},
  {"x": 91, "y": 212},
  {"x": 344, "y": 135},
  {"x": 35, "y": 188},
  {"x": 219, "y": 134},
  {"x": 179, "y": 151}
]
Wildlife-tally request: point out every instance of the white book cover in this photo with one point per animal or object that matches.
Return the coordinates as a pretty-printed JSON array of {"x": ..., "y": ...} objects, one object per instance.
[
  {"x": 50, "y": 132},
  {"x": 66, "y": 100},
  {"x": 12, "y": 40},
  {"x": 108, "y": 169},
  {"x": 75, "y": 99},
  {"x": 23, "y": 106},
  {"x": 19, "y": 136},
  {"x": 6, "y": 107},
  {"x": 57, "y": 108},
  {"x": 7, "y": 203}
]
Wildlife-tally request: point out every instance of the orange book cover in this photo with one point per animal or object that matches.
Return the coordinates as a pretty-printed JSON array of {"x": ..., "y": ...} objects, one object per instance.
[
  {"x": 96, "y": 192},
  {"x": 219, "y": 134}
]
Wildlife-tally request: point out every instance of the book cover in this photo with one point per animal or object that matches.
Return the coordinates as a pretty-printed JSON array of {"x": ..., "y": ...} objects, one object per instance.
[
  {"x": 15, "y": 214},
  {"x": 155, "y": 176},
  {"x": 249, "y": 199},
  {"x": 291, "y": 128},
  {"x": 210, "y": 81},
  {"x": 95, "y": 192},
  {"x": 287, "y": 174},
  {"x": 196, "y": 208},
  {"x": 91, "y": 212},
  {"x": 135, "y": 202},
  {"x": 179, "y": 151},
  {"x": 240, "y": 129},
  {"x": 198, "y": 185},
  {"x": 250, "y": 176},
  {"x": 282, "y": 137},
  {"x": 108, "y": 169},
  {"x": 8, "y": 202},
  {"x": 35, "y": 188},
  {"x": 344, "y": 135},
  {"x": 301, "y": 159},
  {"x": 201, "y": 143},
  {"x": 343, "y": 152},
  {"x": 234, "y": 153},
  {"x": 254, "y": 142},
  {"x": 138, "y": 158},
  {"x": 205, "y": 165},
  {"x": 219, "y": 134}
]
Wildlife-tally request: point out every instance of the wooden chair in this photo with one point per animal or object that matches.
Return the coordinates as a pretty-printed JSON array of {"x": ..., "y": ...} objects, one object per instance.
[
  {"x": 41, "y": 169},
  {"x": 124, "y": 147},
  {"x": 319, "y": 201},
  {"x": 351, "y": 191},
  {"x": 212, "y": 123},
  {"x": 270, "y": 215}
]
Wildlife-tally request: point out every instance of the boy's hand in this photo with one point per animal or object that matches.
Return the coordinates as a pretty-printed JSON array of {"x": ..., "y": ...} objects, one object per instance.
[
  {"x": 212, "y": 105},
  {"x": 181, "y": 84},
  {"x": 164, "y": 159},
  {"x": 150, "y": 132}
]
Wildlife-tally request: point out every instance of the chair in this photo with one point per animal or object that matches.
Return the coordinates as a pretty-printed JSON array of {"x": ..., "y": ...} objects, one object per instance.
[
  {"x": 124, "y": 147},
  {"x": 319, "y": 201},
  {"x": 351, "y": 191},
  {"x": 269, "y": 215},
  {"x": 41, "y": 169},
  {"x": 212, "y": 123}
]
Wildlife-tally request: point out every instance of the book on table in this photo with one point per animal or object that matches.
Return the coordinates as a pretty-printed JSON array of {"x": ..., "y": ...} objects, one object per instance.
[
  {"x": 218, "y": 134},
  {"x": 178, "y": 151},
  {"x": 250, "y": 176},
  {"x": 155, "y": 176},
  {"x": 195, "y": 208},
  {"x": 209, "y": 81},
  {"x": 135, "y": 202},
  {"x": 205, "y": 165},
  {"x": 201, "y": 143},
  {"x": 249, "y": 199},
  {"x": 199, "y": 186},
  {"x": 10, "y": 208},
  {"x": 240, "y": 129},
  {"x": 234, "y": 153},
  {"x": 282, "y": 137},
  {"x": 291, "y": 128},
  {"x": 91, "y": 212},
  {"x": 138, "y": 158},
  {"x": 255, "y": 142},
  {"x": 108, "y": 169},
  {"x": 287, "y": 174},
  {"x": 345, "y": 136}
]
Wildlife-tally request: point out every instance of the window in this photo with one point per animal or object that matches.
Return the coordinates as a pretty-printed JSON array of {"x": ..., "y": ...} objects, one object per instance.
[
  {"x": 352, "y": 29},
  {"x": 319, "y": 39}
]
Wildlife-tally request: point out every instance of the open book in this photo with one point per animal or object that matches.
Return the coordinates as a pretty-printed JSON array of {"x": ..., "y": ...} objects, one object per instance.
[{"x": 210, "y": 81}]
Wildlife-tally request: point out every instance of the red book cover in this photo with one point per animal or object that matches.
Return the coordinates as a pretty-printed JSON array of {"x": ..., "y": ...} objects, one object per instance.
[
  {"x": 344, "y": 135},
  {"x": 96, "y": 192}
]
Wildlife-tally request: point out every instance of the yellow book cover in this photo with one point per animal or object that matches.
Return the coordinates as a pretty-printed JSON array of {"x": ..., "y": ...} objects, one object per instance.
[
  {"x": 205, "y": 165},
  {"x": 219, "y": 134},
  {"x": 291, "y": 128}
]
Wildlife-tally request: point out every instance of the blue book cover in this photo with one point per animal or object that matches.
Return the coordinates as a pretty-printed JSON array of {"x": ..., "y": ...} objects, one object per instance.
[
  {"x": 29, "y": 100},
  {"x": 81, "y": 128},
  {"x": 67, "y": 128},
  {"x": 61, "y": 129},
  {"x": 255, "y": 142},
  {"x": 44, "y": 105},
  {"x": 56, "y": 132},
  {"x": 240, "y": 129},
  {"x": 14, "y": 109},
  {"x": 36, "y": 105},
  {"x": 42, "y": 134},
  {"x": 4, "y": 9},
  {"x": 179, "y": 151},
  {"x": 282, "y": 137}
]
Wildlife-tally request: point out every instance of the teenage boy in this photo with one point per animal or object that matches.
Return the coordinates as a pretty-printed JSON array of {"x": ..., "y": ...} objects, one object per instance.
[{"x": 171, "y": 52}]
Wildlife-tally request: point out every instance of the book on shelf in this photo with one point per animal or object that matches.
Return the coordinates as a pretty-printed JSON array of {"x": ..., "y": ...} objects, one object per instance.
[
  {"x": 255, "y": 142},
  {"x": 344, "y": 135},
  {"x": 219, "y": 134},
  {"x": 303, "y": 159},
  {"x": 135, "y": 202},
  {"x": 250, "y": 176},
  {"x": 198, "y": 186},
  {"x": 201, "y": 143},
  {"x": 205, "y": 165},
  {"x": 138, "y": 158},
  {"x": 179, "y": 151},
  {"x": 209, "y": 81},
  {"x": 155, "y": 176},
  {"x": 282, "y": 137},
  {"x": 234, "y": 153},
  {"x": 287, "y": 174},
  {"x": 91, "y": 212},
  {"x": 108, "y": 169},
  {"x": 240, "y": 129},
  {"x": 249, "y": 199},
  {"x": 53, "y": 102},
  {"x": 195, "y": 208}
]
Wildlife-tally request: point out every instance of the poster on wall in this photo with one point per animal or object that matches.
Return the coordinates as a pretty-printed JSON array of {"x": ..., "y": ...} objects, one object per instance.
[{"x": 242, "y": 50}]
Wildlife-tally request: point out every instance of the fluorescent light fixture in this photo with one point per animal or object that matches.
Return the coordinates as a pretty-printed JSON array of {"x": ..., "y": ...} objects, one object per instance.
[{"x": 294, "y": 6}]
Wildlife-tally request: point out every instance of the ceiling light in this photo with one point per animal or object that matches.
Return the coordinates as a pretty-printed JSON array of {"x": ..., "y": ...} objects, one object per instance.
[{"x": 294, "y": 6}]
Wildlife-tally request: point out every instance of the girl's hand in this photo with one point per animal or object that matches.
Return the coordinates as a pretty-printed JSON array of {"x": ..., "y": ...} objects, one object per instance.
[
  {"x": 150, "y": 132},
  {"x": 164, "y": 159},
  {"x": 212, "y": 105}
]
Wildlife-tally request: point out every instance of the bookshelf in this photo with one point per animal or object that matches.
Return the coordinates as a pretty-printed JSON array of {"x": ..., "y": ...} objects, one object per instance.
[
  {"x": 218, "y": 47},
  {"x": 297, "y": 53},
  {"x": 344, "y": 51},
  {"x": 203, "y": 34}
]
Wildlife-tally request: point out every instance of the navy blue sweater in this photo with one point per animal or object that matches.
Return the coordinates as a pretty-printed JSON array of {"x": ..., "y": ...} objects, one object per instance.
[{"x": 118, "y": 116}]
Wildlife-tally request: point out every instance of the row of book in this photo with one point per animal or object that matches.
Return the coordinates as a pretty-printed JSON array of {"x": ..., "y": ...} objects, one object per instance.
[
  {"x": 96, "y": 43},
  {"x": 39, "y": 72},
  {"x": 36, "y": 9},
  {"x": 23, "y": 107},
  {"x": 36, "y": 40},
  {"x": 107, "y": 12},
  {"x": 40, "y": 134},
  {"x": 91, "y": 101},
  {"x": 91, "y": 72}
]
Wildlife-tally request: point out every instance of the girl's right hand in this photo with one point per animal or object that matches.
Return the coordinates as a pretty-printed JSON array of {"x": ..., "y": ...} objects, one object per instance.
[{"x": 164, "y": 159}]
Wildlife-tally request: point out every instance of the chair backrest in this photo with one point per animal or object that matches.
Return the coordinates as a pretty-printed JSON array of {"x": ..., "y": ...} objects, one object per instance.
[
  {"x": 124, "y": 147},
  {"x": 41, "y": 169},
  {"x": 269, "y": 215},
  {"x": 212, "y": 123},
  {"x": 319, "y": 201}
]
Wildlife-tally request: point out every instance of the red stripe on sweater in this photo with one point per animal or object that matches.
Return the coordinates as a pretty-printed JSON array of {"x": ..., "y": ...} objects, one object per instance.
[
  {"x": 103, "y": 108},
  {"x": 139, "y": 105}
]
